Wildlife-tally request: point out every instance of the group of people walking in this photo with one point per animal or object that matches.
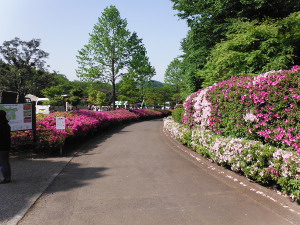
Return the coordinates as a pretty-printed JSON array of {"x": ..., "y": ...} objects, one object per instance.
[{"x": 5, "y": 145}]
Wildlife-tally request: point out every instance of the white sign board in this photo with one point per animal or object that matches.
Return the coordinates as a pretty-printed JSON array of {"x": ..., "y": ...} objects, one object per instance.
[
  {"x": 60, "y": 123},
  {"x": 18, "y": 115}
]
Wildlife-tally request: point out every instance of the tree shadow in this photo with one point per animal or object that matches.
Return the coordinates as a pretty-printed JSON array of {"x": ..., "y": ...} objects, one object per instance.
[
  {"x": 30, "y": 178},
  {"x": 32, "y": 173}
]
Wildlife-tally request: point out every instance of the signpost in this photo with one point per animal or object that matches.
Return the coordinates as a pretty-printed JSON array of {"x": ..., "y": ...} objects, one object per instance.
[{"x": 60, "y": 125}]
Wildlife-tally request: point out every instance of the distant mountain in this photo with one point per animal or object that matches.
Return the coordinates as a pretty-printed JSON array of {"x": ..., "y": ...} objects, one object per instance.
[{"x": 156, "y": 83}]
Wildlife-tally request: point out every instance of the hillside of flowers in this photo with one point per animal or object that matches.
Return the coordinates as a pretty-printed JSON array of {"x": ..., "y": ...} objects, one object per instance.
[
  {"x": 249, "y": 125},
  {"x": 78, "y": 124}
]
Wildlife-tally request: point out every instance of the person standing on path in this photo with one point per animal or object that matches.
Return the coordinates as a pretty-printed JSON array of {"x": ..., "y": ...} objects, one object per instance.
[{"x": 5, "y": 145}]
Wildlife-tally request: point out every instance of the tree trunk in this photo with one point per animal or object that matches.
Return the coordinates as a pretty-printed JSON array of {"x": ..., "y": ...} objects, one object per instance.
[
  {"x": 113, "y": 84},
  {"x": 114, "y": 94}
]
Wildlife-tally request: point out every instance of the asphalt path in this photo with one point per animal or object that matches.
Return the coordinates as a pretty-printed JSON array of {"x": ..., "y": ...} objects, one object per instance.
[{"x": 137, "y": 174}]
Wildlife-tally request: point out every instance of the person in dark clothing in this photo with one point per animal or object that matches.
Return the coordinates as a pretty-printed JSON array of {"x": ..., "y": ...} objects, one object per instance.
[{"x": 5, "y": 145}]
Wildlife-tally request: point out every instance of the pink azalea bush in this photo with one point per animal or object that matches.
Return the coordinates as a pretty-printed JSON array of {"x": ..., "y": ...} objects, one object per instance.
[
  {"x": 264, "y": 108},
  {"x": 150, "y": 113},
  {"x": 78, "y": 123}
]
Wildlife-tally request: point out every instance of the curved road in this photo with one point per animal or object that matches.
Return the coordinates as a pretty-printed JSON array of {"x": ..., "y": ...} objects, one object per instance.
[{"x": 137, "y": 175}]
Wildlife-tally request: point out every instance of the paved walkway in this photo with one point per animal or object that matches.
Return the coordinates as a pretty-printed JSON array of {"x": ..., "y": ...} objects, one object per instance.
[{"x": 137, "y": 175}]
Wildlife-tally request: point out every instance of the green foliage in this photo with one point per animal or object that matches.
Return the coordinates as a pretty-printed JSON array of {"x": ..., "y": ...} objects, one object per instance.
[
  {"x": 254, "y": 48},
  {"x": 77, "y": 91},
  {"x": 22, "y": 67},
  {"x": 57, "y": 101},
  {"x": 128, "y": 90},
  {"x": 140, "y": 68},
  {"x": 100, "y": 98},
  {"x": 210, "y": 21},
  {"x": 174, "y": 74},
  {"x": 177, "y": 114},
  {"x": 155, "y": 83},
  {"x": 177, "y": 98},
  {"x": 196, "y": 50},
  {"x": 153, "y": 96},
  {"x": 96, "y": 97},
  {"x": 217, "y": 10},
  {"x": 54, "y": 91},
  {"x": 111, "y": 50},
  {"x": 74, "y": 100},
  {"x": 166, "y": 92}
]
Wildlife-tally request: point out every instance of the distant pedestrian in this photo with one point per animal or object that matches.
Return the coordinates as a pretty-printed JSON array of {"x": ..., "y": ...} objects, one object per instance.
[{"x": 5, "y": 145}]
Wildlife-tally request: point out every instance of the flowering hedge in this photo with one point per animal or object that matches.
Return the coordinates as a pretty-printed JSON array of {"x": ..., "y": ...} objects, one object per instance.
[
  {"x": 262, "y": 163},
  {"x": 249, "y": 124},
  {"x": 78, "y": 123},
  {"x": 264, "y": 108},
  {"x": 150, "y": 113}
]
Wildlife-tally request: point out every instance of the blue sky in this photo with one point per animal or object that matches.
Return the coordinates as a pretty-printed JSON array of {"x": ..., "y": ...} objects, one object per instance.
[{"x": 64, "y": 26}]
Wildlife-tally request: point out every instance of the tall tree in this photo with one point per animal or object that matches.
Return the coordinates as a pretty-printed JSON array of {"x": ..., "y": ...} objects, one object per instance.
[
  {"x": 23, "y": 66},
  {"x": 174, "y": 74},
  {"x": 166, "y": 93},
  {"x": 210, "y": 20},
  {"x": 140, "y": 68},
  {"x": 106, "y": 54}
]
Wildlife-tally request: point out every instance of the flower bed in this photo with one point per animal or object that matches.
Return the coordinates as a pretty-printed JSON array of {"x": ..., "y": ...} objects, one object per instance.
[
  {"x": 150, "y": 113},
  {"x": 78, "y": 123},
  {"x": 262, "y": 163}
]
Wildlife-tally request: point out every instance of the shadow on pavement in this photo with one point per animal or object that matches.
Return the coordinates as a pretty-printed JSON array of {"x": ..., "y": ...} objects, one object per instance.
[
  {"x": 31, "y": 178},
  {"x": 33, "y": 172}
]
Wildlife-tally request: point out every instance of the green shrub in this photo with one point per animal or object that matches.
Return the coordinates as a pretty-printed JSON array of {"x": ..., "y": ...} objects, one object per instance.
[{"x": 177, "y": 114}]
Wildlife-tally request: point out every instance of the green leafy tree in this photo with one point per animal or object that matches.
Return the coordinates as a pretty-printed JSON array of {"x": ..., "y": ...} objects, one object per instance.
[
  {"x": 166, "y": 93},
  {"x": 100, "y": 99},
  {"x": 23, "y": 66},
  {"x": 158, "y": 96},
  {"x": 74, "y": 100},
  {"x": 96, "y": 97},
  {"x": 53, "y": 91},
  {"x": 174, "y": 76},
  {"x": 61, "y": 79},
  {"x": 140, "y": 68},
  {"x": 195, "y": 11},
  {"x": 77, "y": 94},
  {"x": 210, "y": 20},
  {"x": 152, "y": 96},
  {"x": 155, "y": 83},
  {"x": 128, "y": 90},
  {"x": 254, "y": 48},
  {"x": 77, "y": 91},
  {"x": 59, "y": 90},
  {"x": 106, "y": 54},
  {"x": 101, "y": 87}
]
